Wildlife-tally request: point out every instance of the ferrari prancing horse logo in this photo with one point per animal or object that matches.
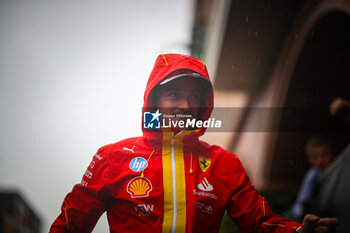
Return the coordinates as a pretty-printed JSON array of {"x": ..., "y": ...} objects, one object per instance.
[{"x": 204, "y": 163}]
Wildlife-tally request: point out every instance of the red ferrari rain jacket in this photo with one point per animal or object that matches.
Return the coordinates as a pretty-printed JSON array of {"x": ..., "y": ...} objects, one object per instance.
[{"x": 164, "y": 183}]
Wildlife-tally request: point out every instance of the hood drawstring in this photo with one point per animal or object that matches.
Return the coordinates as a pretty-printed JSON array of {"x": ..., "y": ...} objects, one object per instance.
[
  {"x": 166, "y": 63},
  {"x": 149, "y": 157},
  {"x": 191, "y": 170}
]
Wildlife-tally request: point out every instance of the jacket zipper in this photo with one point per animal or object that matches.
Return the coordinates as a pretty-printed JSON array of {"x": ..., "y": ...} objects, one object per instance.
[{"x": 174, "y": 184}]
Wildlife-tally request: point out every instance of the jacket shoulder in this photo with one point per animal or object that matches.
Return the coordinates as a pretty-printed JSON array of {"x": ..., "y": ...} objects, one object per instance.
[
  {"x": 215, "y": 150},
  {"x": 124, "y": 145}
]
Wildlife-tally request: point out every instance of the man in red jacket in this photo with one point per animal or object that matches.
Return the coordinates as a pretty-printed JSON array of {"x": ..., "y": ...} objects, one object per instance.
[{"x": 168, "y": 180}]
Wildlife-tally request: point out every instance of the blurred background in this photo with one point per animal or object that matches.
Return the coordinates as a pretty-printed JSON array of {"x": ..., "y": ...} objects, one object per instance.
[{"x": 72, "y": 76}]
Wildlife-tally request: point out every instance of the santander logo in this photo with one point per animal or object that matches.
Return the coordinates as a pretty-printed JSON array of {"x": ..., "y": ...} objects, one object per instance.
[{"x": 205, "y": 186}]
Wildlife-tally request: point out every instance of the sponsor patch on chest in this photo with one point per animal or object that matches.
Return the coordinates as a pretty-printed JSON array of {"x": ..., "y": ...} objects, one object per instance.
[
  {"x": 139, "y": 187},
  {"x": 204, "y": 207},
  {"x": 205, "y": 189},
  {"x": 143, "y": 210},
  {"x": 138, "y": 164},
  {"x": 204, "y": 163}
]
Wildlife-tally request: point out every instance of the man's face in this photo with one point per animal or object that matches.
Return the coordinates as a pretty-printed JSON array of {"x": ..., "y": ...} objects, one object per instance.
[
  {"x": 180, "y": 96},
  {"x": 320, "y": 156}
]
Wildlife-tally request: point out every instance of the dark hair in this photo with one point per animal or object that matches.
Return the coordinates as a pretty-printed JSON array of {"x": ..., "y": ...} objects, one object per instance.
[{"x": 335, "y": 142}]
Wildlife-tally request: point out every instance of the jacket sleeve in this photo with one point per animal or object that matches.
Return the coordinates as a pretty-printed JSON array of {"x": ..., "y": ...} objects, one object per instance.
[
  {"x": 84, "y": 205},
  {"x": 251, "y": 212}
]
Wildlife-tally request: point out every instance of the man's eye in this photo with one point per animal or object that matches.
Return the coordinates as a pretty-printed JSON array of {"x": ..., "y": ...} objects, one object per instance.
[
  {"x": 195, "y": 96},
  {"x": 173, "y": 95}
]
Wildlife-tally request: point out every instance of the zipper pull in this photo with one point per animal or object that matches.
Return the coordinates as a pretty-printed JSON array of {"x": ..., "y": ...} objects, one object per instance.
[{"x": 191, "y": 170}]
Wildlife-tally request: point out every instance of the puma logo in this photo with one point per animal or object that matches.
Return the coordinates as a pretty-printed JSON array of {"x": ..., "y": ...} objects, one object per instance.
[{"x": 132, "y": 149}]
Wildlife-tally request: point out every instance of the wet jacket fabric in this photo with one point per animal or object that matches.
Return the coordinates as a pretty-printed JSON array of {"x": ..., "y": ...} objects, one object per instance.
[
  {"x": 162, "y": 182},
  {"x": 333, "y": 196}
]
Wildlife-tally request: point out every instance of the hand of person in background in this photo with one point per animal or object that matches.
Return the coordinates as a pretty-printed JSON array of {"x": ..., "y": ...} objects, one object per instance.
[
  {"x": 339, "y": 106},
  {"x": 314, "y": 224}
]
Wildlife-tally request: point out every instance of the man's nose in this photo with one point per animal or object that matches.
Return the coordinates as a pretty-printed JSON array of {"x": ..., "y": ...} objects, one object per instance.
[{"x": 184, "y": 103}]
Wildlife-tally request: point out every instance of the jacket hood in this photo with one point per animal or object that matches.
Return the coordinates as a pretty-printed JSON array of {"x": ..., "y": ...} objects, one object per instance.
[{"x": 167, "y": 67}]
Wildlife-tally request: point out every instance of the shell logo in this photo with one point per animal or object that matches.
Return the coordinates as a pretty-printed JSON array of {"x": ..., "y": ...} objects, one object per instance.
[{"x": 139, "y": 187}]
